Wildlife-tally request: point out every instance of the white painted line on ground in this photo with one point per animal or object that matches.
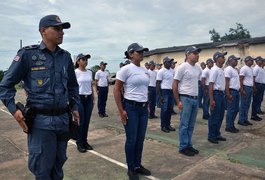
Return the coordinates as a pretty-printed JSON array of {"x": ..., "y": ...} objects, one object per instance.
[{"x": 98, "y": 154}]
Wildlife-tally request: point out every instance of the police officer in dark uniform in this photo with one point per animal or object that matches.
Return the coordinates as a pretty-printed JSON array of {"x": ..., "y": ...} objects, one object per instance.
[{"x": 50, "y": 82}]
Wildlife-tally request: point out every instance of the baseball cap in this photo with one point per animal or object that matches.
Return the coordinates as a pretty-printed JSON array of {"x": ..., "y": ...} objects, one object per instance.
[
  {"x": 259, "y": 58},
  {"x": 81, "y": 55},
  {"x": 103, "y": 63},
  {"x": 192, "y": 49},
  {"x": 209, "y": 61},
  {"x": 152, "y": 63},
  {"x": 53, "y": 20},
  {"x": 136, "y": 47},
  {"x": 249, "y": 58},
  {"x": 218, "y": 54},
  {"x": 232, "y": 57},
  {"x": 146, "y": 64},
  {"x": 167, "y": 59}
]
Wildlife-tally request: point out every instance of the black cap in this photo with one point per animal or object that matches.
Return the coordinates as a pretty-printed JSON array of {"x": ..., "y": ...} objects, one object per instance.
[
  {"x": 249, "y": 58},
  {"x": 152, "y": 63},
  {"x": 192, "y": 49},
  {"x": 209, "y": 61},
  {"x": 232, "y": 57},
  {"x": 218, "y": 54},
  {"x": 136, "y": 47},
  {"x": 53, "y": 20},
  {"x": 81, "y": 55},
  {"x": 103, "y": 63},
  {"x": 168, "y": 59},
  {"x": 259, "y": 58}
]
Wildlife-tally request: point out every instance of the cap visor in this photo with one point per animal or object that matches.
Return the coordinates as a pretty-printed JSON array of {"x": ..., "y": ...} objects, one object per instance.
[
  {"x": 65, "y": 25},
  {"x": 143, "y": 49}
]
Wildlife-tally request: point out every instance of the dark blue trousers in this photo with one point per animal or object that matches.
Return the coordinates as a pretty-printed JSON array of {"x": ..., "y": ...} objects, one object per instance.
[
  {"x": 166, "y": 107},
  {"x": 257, "y": 99},
  {"x": 85, "y": 110},
  {"x": 206, "y": 104},
  {"x": 135, "y": 130},
  {"x": 200, "y": 94},
  {"x": 102, "y": 99},
  {"x": 217, "y": 115},
  {"x": 152, "y": 100},
  {"x": 244, "y": 104},
  {"x": 232, "y": 108}
]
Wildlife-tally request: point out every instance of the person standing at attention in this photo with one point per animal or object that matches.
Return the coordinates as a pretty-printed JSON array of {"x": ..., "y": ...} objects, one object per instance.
[
  {"x": 133, "y": 109},
  {"x": 232, "y": 86},
  {"x": 164, "y": 81},
  {"x": 185, "y": 89},
  {"x": 152, "y": 90},
  {"x": 50, "y": 83},
  {"x": 217, "y": 98},
  {"x": 246, "y": 91},
  {"x": 102, "y": 88},
  {"x": 205, "y": 89},
  {"x": 84, "y": 79}
]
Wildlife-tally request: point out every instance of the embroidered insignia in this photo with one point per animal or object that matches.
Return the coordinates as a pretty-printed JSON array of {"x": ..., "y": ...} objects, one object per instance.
[
  {"x": 58, "y": 19},
  {"x": 42, "y": 57},
  {"x": 16, "y": 58},
  {"x": 34, "y": 57},
  {"x": 40, "y": 82}
]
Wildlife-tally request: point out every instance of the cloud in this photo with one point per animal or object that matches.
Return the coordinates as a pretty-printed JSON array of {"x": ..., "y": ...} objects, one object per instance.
[{"x": 105, "y": 28}]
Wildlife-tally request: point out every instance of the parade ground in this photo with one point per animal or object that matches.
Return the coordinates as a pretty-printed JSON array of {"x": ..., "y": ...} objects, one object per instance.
[{"x": 241, "y": 157}]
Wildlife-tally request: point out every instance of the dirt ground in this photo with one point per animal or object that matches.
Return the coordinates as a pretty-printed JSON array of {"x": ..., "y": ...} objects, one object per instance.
[{"x": 241, "y": 157}]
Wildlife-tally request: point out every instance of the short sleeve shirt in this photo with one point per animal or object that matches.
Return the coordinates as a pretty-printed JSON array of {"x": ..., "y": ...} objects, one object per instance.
[
  {"x": 233, "y": 75},
  {"x": 152, "y": 75},
  {"x": 217, "y": 76},
  {"x": 102, "y": 77},
  {"x": 84, "y": 79},
  {"x": 205, "y": 74},
  {"x": 188, "y": 76},
  {"x": 166, "y": 77},
  {"x": 247, "y": 72},
  {"x": 136, "y": 80}
]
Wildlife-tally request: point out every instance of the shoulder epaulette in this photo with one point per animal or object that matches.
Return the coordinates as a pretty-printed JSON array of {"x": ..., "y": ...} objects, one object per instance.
[{"x": 31, "y": 47}]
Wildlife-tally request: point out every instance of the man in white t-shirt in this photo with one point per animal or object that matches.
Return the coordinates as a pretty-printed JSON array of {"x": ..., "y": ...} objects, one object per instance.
[
  {"x": 246, "y": 91},
  {"x": 185, "y": 89},
  {"x": 200, "y": 95},
  {"x": 205, "y": 89},
  {"x": 232, "y": 86},
  {"x": 152, "y": 90},
  {"x": 102, "y": 88},
  {"x": 259, "y": 76},
  {"x": 217, "y": 98},
  {"x": 164, "y": 80}
]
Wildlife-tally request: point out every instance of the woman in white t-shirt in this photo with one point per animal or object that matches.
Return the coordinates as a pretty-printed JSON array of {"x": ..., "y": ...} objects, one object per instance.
[
  {"x": 84, "y": 79},
  {"x": 133, "y": 109}
]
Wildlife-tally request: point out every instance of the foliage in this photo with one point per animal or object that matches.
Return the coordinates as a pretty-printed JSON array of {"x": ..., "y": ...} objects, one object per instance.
[
  {"x": 94, "y": 69},
  {"x": 234, "y": 34}
]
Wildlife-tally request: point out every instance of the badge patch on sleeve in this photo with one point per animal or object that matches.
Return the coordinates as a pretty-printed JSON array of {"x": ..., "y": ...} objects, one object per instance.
[
  {"x": 40, "y": 82},
  {"x": 16, "y": 58}
]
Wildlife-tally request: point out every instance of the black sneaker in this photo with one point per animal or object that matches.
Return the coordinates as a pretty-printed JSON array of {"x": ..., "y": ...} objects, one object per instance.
[
  {"x": 235, "y": 129},
  {"x": 87, "y": 146},
  {"x": 132, "y": 175},
  {"x": 214, "y": 141},
  {"x": 193, "y": 150},
  {"x": 205, "y": 117},
  {"x": 248, "y": 123},
  {"x": 170, "y": 128},
  {"x": 101, "y": 115},
  {"x": 81, "y": 148},
  {"x": 242, "y": 123},
  {"x": 261, "y": 112},
  {"x": 143, "y": 171},
  {"x": 187, "y": 152},
  {"x": 256, "y": 118},
  {"x": 221, "y": 138},
  {"x": 231, "y": 130},
  {"x": 164, "y": 129},
  {"x": 105, "y": 115}
]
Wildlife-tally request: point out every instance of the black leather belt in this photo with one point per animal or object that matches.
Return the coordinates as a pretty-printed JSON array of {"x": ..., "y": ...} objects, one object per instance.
[
  {"x": 84, "y": 96},
  {"x": 186, "y": 95},
  {"x": 51, "y": 112},
  {"x": 231, "y": 89},
  {"x": 135, "y": 103},
  {"x": 219, "y": 91}
]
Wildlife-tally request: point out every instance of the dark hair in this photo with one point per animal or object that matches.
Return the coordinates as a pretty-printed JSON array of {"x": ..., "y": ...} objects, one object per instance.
[
  {"x": 76, "y": 64},
  {"x": 127, "y": 55}
]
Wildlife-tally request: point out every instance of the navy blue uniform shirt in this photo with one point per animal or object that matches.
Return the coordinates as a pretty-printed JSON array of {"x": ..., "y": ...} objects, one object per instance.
[{"x": 49, "y": 80}]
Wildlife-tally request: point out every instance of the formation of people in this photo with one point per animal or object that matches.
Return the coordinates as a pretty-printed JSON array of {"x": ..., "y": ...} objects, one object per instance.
[{"x": 58, "y": 89}]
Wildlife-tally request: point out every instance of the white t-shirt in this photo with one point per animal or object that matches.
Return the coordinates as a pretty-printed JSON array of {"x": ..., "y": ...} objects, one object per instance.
[
  {"x": 188, "y": 76},
  {"x": 233, "y": 75},
  {"x": 102, "y": 77},
  {"x": 247, "y": 72},
  {"x": 84, "y": 79},
  {"x": 205, "y": 74},
  {"x": 166, "y": 77},
  {"x": 136, "y": 80},
  {"x": 152, "y": 75},
  {"x": 258, "y": 72},
  {"x": 217, "y": 76}
]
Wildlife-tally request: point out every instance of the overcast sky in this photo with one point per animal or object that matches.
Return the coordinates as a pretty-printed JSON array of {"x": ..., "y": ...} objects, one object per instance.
[{"x": 105, "y": 28}]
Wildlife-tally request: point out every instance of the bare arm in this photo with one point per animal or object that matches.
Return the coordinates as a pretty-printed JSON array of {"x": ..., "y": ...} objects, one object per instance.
[
  {"x": 176, "y": 93},
  {"x": 212, "y": 102},
  {"x": 228, "y": 95},
  {"x": 117, "y": 91}
]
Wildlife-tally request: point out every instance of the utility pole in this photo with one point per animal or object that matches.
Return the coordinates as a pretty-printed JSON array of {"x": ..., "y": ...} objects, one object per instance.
[{"x": 20, "y": 43}]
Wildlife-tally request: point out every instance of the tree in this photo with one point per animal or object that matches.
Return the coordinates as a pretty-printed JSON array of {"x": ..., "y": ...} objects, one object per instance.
[
  {"x": 94, "y": 69},
  {"x": 234, "y": 34}
]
